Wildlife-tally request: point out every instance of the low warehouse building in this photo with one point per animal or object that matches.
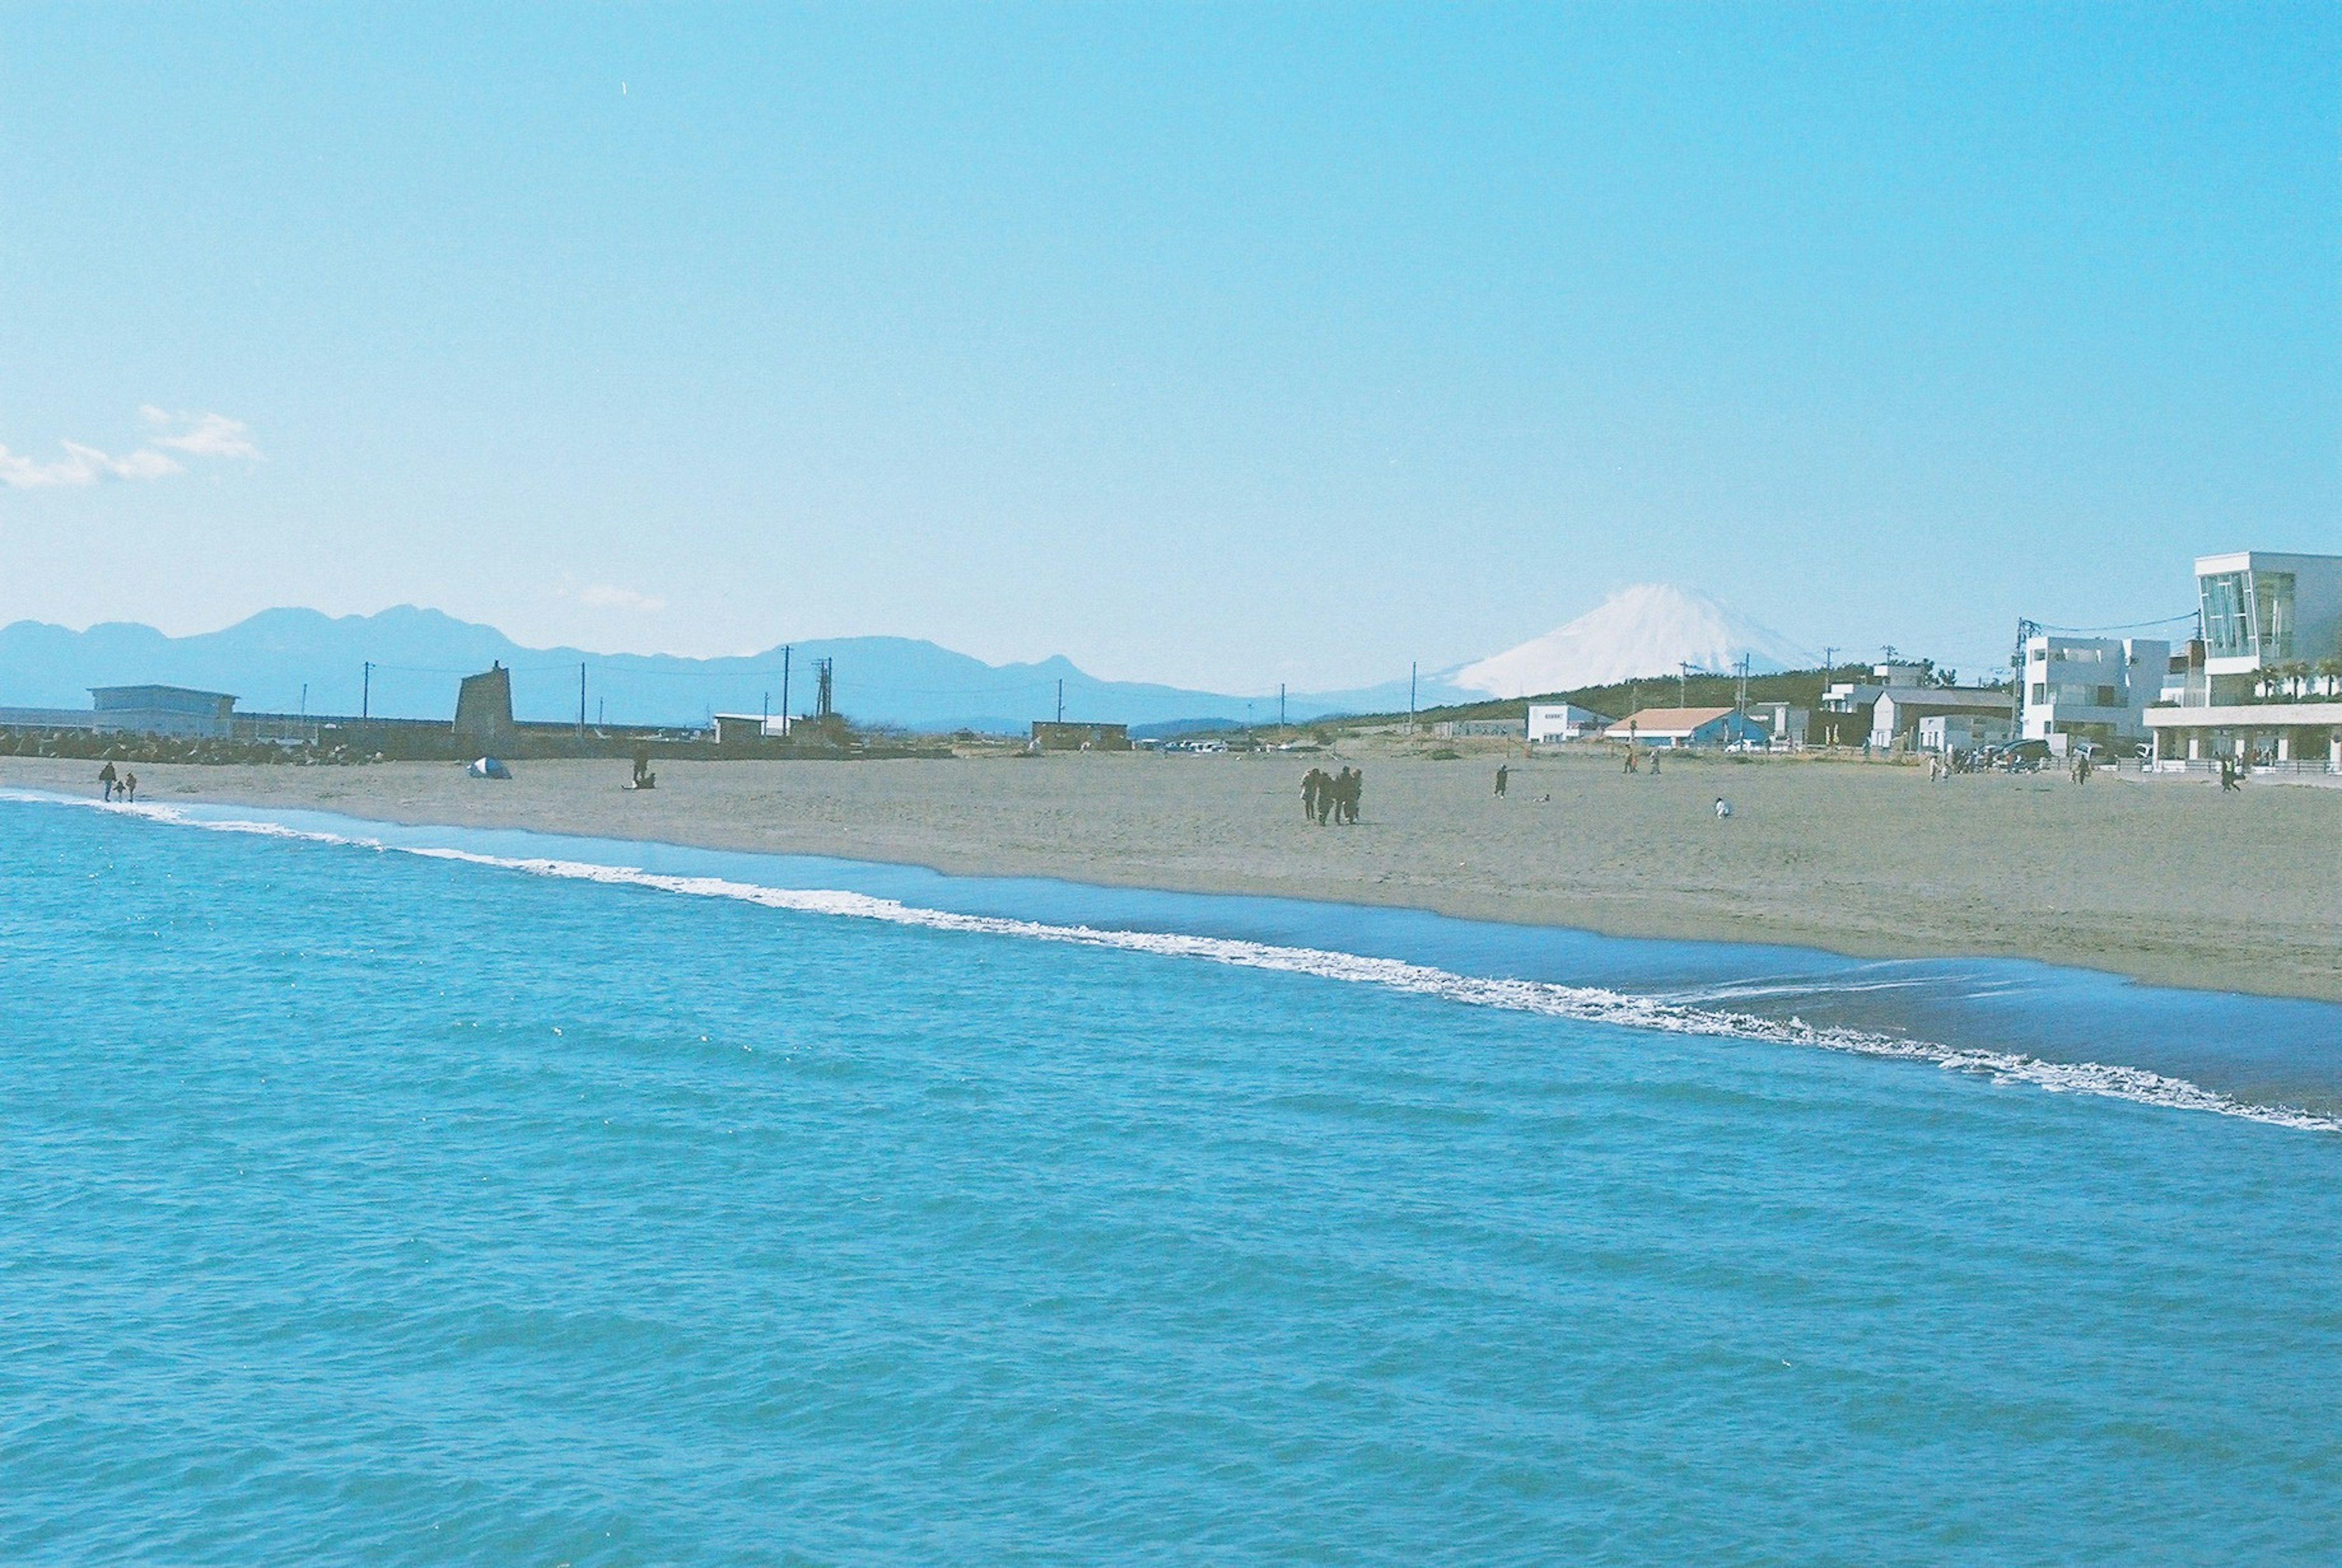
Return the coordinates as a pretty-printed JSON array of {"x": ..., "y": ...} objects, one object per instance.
[{"x": 1687, "y": 727}]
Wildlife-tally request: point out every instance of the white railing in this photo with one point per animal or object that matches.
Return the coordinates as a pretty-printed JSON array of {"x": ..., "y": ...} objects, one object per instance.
[{"x": 2212, "y": 765}]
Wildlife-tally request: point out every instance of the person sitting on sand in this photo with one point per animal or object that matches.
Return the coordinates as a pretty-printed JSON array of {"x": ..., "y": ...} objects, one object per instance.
[
  {"x": 106, "y": 776},
  {"x": 1723, "y": 808}
]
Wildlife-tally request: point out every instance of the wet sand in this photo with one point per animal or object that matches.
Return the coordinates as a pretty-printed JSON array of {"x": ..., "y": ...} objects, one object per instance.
[{"x": 2167, "y": 881}]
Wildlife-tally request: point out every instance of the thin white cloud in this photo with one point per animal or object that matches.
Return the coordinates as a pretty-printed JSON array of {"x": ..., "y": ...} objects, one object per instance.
[
  {"x": 81, "y": 466},
  {"x": 602, "y": 597},
  {"x": 203, "y": 435},
  {"x": 196, "y": 434}
]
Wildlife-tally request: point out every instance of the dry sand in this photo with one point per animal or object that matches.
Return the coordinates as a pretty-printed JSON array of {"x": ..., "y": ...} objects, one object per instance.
[{"x": 2168, "y": 881}]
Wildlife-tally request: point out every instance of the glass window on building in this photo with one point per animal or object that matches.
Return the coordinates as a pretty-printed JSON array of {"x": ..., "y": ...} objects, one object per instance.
[
  {"x": 2273, "y": 613},
  {"x": 2227, "y": 630}
]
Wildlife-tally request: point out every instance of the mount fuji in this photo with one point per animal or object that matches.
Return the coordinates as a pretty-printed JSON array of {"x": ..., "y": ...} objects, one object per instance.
[{"x": 1647, "y": 630}]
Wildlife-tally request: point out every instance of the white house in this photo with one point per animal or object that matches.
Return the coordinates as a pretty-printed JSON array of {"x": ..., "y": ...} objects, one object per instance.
[
  {"x": 2264, "y": 683},
  {"x": 1952, "y": 733},
  {"x": 2094, "y": 688},
  {"x": 1895, "y": 715},
  {"x": 1843, "y": 718},
  {"x": 1551, "y": 722}
]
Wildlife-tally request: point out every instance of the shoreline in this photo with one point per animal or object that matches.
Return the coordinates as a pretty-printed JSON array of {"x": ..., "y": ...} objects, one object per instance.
[{"x": 1862, "y": 860}]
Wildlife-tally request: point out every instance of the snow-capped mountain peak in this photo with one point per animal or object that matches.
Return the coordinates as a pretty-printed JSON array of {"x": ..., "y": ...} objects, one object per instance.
[{"x": 1649, "y": 629}]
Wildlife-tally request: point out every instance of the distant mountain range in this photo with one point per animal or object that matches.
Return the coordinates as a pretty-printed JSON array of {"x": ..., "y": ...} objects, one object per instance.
[{"x": 291, "y": 661}]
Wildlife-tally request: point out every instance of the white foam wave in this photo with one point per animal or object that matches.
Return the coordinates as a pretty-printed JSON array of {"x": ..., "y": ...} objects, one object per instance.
[{"x": 1592, "y": 1005}]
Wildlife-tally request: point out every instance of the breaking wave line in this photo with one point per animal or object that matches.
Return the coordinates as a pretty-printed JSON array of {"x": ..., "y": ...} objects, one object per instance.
[{"x": 1582, "y": 1004}]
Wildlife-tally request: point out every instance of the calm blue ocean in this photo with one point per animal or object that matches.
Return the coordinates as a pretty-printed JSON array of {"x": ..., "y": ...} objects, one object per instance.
[{"x": 490, "y": 1198}]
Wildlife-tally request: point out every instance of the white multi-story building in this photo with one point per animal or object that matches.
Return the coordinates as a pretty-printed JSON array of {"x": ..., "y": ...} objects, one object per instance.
[
  {"x": 2264, "y": 683},
  {"x": 2263, "y": 611},
  {"x": 2091, "y": 688}
]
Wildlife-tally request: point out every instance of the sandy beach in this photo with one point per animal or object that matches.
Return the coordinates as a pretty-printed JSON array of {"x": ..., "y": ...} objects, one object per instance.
[{"x": 2167, "y": 881}]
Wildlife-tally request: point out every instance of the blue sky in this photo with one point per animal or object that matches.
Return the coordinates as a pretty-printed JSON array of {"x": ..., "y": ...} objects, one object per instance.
[{"x": 1220, "y": 346}]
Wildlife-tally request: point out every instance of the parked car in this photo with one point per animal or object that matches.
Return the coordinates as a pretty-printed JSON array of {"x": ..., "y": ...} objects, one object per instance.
[{"x": 2018, "y": 756}]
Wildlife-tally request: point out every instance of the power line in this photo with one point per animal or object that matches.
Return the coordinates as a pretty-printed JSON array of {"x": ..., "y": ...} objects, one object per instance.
[{"x": 2123, "y": 626}]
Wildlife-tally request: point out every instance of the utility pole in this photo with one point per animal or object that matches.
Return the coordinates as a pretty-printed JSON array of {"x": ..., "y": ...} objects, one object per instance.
[
  {"x": 1829, "y": 664},
  {"x": 1683, "y": 682},
  {"x": 1280, "y": 710},
  {"x": 365, "y": 691},
  {"x": 1741, "y": 695},
  {"x": 1061, "y": 699},
  {"x": 1410, "y": 696},
  {"x": 2024, "y": 629},
  {"x": 784, "y": 685},
  {"x": 581, "y": 701},
  {"x": 304, "y": 699}
]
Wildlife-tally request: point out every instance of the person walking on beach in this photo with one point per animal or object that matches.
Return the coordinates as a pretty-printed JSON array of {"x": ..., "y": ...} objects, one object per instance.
[
  {"x": 106, "y": 776},
  {"x": 1311, "y": 783},
  {"x": 1631, "y": 758},
  {"x": 1329, "y": 787},
  {"x": 130, "y": 787},
  {"x": 2227, "y": 774},
  {"x": 1654, "y": 761},
  {"x": 1504, "y": 773},
  {"x": 1350, "y": 793}
]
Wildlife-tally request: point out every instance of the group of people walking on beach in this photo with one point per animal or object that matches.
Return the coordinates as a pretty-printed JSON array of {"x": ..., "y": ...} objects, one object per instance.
[
  {"x": 126, "y": 785},
  {"x": 1325, "y": 795}
]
